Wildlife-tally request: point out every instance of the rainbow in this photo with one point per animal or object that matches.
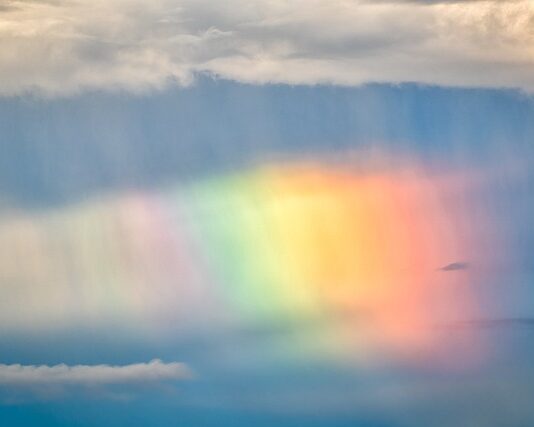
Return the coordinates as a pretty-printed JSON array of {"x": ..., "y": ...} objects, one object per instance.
[{"x": 274, "y": 244}]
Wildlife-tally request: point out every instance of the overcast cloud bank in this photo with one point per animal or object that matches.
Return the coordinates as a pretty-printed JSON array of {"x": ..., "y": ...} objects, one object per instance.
[{"x": 62, "y": 47}]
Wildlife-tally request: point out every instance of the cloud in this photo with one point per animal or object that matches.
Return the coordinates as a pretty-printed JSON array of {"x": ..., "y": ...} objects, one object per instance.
[
  {"x": 92, "y": 375},
  {"x": 437, "y": 1},
  {"x": 455, "y": 266},
  {"x": 61, "y": 47}
]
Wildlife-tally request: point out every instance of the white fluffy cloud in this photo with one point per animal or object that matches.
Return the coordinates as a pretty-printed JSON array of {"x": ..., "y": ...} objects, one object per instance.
[
  {"x": 60, "y": 46},
  {"x": 85, "y": 375}
]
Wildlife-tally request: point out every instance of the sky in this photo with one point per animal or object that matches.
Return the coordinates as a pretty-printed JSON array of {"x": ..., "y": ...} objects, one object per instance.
[{"x": 266, "y": 212}]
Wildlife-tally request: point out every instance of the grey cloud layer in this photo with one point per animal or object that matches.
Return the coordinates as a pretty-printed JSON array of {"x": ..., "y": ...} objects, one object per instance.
[
  {"x": 32, "y": 375},
  {"x": 63, "y": 47}
]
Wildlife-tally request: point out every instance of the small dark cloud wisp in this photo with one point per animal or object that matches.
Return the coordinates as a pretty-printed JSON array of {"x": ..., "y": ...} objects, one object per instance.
[{"x": 455, "y": 266}]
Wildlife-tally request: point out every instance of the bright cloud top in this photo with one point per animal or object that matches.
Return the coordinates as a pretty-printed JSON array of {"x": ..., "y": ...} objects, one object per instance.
[
  {"x": 153, "y": 371},
  {"x": 63, "y": 47}
]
